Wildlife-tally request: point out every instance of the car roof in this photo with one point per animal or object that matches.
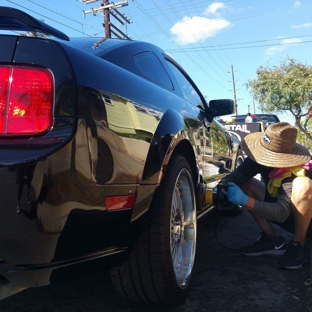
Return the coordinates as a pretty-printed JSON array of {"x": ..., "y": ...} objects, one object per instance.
[{"x": 99, "y": 46}]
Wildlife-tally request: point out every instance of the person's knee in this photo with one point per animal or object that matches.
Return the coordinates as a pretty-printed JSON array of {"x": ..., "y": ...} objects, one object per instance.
[
  {"x": 254, "y": 189},
  {"x": 301, "y": 189}
]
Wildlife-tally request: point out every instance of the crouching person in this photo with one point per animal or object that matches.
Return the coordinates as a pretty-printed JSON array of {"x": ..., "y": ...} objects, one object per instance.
[{"x": 284, "y": 197}]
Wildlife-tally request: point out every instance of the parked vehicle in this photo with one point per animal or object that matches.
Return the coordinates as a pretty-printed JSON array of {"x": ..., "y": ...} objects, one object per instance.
[
  {"x": 267, "y": 119},
  {"x": 241, "y": 129},
  {"x": 105, "y": 151},
  {"x": 237, "y": 126}
]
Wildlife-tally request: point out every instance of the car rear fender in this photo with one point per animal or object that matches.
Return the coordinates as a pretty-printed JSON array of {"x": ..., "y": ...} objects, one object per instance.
[
  {"x": 170, "y": 127},
  {"x": 170, "y": 132},
  {"x": 171, "y": 137}
]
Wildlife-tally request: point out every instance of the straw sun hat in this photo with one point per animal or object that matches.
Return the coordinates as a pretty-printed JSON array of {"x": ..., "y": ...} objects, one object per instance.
[{"x": 276, "y": 147}]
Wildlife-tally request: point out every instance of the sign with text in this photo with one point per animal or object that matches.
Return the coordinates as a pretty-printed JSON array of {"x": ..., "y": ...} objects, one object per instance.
[{"x": 241, "y": 129}]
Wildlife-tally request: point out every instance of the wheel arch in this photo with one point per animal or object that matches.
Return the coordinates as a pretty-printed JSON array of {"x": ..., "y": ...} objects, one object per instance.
[
  {"x": 171, "y": 137},
  {"x": 185, "y": 149}
]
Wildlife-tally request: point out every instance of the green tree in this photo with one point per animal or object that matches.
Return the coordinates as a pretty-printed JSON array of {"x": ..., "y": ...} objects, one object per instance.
[
  {"x": 302, "y": 137},
  {"x": 287, "y": 87}
]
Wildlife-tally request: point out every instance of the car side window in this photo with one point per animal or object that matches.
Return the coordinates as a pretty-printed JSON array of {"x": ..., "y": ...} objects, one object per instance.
[
  {"x": 189, "y": 93},
  {"x": 151, "y": 67}
]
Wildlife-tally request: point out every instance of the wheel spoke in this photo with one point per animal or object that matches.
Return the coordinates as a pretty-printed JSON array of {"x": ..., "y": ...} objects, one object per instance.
[{"x": 183, "y": 228}]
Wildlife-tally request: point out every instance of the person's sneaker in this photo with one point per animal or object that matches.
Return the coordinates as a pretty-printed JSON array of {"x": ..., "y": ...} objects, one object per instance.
[
  {"x": 294, "y": 257},
  {"x": 266, "y": 245}
]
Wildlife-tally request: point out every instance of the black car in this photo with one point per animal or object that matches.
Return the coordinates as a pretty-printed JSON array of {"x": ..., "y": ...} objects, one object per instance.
[{"x": 106, "y": 150}]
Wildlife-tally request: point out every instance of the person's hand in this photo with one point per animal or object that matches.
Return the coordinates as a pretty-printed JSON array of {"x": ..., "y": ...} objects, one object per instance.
[{"x": 235, "y": 195}]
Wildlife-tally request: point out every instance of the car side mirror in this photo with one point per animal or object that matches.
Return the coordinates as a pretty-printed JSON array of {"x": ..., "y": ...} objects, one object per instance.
[{"x": 220, "y": 107}]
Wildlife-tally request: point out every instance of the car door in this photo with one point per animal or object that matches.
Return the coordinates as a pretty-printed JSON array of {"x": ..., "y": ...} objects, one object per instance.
[
  {"x": 212, "y": 145},
  {"x": 194, "y": 120}
]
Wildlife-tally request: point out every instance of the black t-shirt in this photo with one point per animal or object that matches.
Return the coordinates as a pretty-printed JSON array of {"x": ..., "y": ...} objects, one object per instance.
[{"x": 272, "y": 208}]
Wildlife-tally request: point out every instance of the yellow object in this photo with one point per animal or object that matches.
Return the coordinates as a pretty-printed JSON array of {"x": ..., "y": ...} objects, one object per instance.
[
  {"x": 275, "y": 184},
  {"x": 209, "y": 197}
]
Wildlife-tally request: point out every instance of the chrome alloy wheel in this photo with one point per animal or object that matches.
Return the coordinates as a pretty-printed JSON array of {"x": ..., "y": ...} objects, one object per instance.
[{"x": 183, "y": 228}]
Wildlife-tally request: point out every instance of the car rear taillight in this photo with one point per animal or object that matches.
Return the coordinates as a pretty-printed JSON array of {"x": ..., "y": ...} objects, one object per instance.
[{"x": 26, "y": 100}]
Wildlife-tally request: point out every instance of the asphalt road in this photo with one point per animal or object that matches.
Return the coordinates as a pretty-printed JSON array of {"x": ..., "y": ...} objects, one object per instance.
[{"x": 223, "y": 281}]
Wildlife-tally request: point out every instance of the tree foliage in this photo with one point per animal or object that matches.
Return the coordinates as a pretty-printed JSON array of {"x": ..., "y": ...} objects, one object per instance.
[
  {"x": 302, "y": 138},
  {"x": 287, "y": 87},
  {"x": 34, "y": 33}
]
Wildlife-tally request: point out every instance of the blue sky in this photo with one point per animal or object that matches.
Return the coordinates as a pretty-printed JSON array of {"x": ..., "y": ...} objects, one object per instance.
[{"x": 206, "y": 37}]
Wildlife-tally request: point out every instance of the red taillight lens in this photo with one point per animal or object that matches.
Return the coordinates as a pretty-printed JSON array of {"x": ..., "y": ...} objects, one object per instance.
[
  {"x": 119, "y": 202},
  {"x": 26, "y": 100},
  {"x": 4, "y": 86}
]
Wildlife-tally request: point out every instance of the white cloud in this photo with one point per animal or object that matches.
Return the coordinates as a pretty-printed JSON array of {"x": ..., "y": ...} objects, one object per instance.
[
  {"x": 213, "y": 8},
  {"x": 283, "y": 45},
  {"x": 297, "y": 3},
  {"x": 302, "y": 25},
  {"x": 197, "y": 28},
  {"x": 291, "y": 41},
  {"x": 273, "y": 50}
]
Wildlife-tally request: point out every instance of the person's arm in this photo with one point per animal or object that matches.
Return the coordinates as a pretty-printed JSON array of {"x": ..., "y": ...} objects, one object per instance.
[
  {"x": 278, "y": 211},
  {"x": 244, "y": 172}
]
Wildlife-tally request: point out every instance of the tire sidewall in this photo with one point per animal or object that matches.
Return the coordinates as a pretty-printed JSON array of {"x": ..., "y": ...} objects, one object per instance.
[{"x": 177, "y": 164}]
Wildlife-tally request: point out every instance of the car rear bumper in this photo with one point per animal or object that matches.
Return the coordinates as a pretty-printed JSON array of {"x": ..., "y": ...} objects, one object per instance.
[{"x": 52, "y": 214}]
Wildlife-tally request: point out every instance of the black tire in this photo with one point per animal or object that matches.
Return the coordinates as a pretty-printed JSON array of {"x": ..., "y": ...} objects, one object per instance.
[{"x": 159, "y": 268}]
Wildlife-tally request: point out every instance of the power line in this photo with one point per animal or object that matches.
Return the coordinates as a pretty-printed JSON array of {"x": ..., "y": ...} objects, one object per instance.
[
  {"x": 166, "y": 33},
  {"x": 257, "y": 41},
  {"x": 58, "y": 13},
  {"x": 199, "y": 66},
  {"x": 19, "y": 5},
  {"x": 110, "y": 9},
  {"x": 65, "y": 16},
  {"x": 234, "y": 48},
  {"x": 211, "y": 57},
  {"x": 193, "y": 6}
]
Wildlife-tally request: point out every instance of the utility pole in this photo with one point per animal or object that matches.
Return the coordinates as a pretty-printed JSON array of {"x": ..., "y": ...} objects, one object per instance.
[
  {"x": 253, "y": 103},
  {"x": 106, "y": 19},
  {"x": 234, "y": 90},
  {"x": 110, "y": 9}
]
